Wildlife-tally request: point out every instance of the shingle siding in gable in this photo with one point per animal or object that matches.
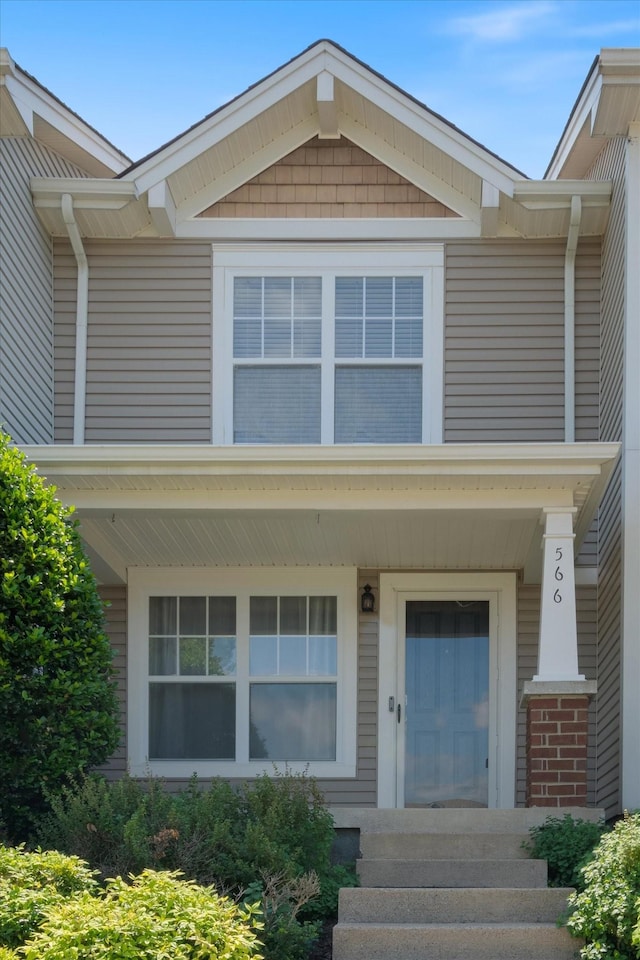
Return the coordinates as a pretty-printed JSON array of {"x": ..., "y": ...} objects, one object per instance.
[
  {"x": 26, "y": 303},
  {"x": 328, "y": 178}
]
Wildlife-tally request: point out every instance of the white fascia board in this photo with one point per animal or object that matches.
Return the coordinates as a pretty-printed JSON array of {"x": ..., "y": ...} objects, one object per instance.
[
  {"x": 451, "y": 141},
  {"x": 583, "y": 113},
  {"x": 286, "y": 228},
  {"x": 586, "y": 459},
  {"x": 528, "y": 502},
  {"x": 31, "y": 99},
  {"x": 225, "y": 121},
  {"x": 87, "y": 194},
  {"x": 558, "y": 194},
  {"x": 412, "y": 171}
]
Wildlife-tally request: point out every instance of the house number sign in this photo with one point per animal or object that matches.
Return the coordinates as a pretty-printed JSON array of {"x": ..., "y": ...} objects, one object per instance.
[{"x": 559, "y": 575}]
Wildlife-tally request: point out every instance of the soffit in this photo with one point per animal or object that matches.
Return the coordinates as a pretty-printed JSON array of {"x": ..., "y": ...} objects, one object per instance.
[
  {"x": 608, "y": 102},
  {"x": 458, "y": 508},
  {"x": 248, "y": 141}
]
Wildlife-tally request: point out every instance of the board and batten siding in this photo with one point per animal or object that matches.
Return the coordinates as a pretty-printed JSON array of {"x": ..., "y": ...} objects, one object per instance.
[
  {"x": 26, "y": 301},
  {"x": 504, "y": 341},
  {"x": 527, "y": 664},
  {"x": 610, "y": 165},
  {"x": 148, "y": 342}
]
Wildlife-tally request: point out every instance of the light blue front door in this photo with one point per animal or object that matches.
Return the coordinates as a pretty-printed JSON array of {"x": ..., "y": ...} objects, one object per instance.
[{"x": 447, "y": 702}]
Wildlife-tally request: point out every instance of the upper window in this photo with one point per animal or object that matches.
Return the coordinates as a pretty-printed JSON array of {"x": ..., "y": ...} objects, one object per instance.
[{"x": 328, "y": 345}]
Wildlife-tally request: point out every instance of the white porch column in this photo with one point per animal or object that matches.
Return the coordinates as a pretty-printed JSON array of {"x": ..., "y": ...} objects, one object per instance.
[{"x": 558, "y": 646}]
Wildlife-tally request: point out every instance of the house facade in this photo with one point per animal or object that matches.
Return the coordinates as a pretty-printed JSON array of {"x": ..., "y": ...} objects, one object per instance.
[{"x": 349, "y": 412}]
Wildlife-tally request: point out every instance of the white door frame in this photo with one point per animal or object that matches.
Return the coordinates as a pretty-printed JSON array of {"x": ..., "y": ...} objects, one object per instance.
[{"x": 500, "y": 590}]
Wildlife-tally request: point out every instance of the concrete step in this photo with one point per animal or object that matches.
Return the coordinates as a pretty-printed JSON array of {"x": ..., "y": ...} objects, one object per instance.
[
  {"x": 459, "y": 905},
  {"x": 452, "y": 820},
  {"x": 472, "y": 941},
  {"x": 452, "y": 873},
  {"x": 442, "y": 846}
]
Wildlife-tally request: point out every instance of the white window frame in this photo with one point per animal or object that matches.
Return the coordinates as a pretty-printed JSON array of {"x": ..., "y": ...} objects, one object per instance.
[
  {"x": 241, "y": 582},
  {"x": 329, "y": 260}
]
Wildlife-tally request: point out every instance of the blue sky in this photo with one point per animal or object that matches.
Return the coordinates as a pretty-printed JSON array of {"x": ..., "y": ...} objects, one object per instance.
[{"x": 507, "y": 72}]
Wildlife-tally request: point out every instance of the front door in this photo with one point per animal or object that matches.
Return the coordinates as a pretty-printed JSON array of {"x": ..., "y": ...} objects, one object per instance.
[
  {"x": 446, "y": 718},
  {"x": 447, "y": 692}
]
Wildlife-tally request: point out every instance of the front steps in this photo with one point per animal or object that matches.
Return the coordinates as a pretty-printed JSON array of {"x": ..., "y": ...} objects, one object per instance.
[{"x": 451, "y": 884}]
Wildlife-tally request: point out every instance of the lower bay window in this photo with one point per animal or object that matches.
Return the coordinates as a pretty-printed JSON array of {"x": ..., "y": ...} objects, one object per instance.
[{"x": 233, "y": 671}]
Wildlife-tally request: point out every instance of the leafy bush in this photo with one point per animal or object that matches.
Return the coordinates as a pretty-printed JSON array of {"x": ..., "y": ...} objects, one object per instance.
[
  {"x": 30, "y": 883},
  {"x": 275, "y": 828},
  {"x": 606, "y": 912},
  {"x": 157, "y": 915},
  {"x": 58, "y": 709},
  {"x": 566, "y": 844}
]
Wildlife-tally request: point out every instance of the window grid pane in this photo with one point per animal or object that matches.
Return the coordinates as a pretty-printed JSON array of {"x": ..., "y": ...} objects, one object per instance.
[
  {"x": 277, "y": 317},
  {"x": 211, "y": 655},
  {"x": 283, "y": 636},
  {"x": 378, "y": 317}
]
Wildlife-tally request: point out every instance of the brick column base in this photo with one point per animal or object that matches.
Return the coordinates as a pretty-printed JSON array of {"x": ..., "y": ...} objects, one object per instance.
[{"x": 557, "y": 735}]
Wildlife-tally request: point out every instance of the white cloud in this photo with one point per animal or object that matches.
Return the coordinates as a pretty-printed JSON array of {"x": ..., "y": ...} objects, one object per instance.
[{"x": 504, "y": 23}]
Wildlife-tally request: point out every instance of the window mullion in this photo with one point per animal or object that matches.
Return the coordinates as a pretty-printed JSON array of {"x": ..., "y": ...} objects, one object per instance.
[
  {"x": 242, "y": 677},
  {"x": 328, "y": 359}
]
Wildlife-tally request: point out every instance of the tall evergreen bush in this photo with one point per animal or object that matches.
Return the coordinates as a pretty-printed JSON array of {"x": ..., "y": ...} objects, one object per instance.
[{"x": 58, "y": 709}]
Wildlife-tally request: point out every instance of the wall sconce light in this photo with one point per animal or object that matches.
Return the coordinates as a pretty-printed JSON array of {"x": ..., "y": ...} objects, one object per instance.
[{"x": 367, "y": 600}]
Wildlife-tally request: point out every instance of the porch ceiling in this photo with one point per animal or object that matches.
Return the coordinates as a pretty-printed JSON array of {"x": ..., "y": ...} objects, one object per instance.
[{"x": 453, "y": 507}]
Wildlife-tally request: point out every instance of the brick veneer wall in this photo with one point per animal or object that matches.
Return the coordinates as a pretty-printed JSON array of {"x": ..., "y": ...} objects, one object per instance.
[
  {"x": 328, "y": 178},
  {"x": 557, "y": 728}
]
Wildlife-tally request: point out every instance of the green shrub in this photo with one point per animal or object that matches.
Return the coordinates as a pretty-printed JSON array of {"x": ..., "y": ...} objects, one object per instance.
[
  {"x": 232, "y": 838},
  {"x": 157, "y": 915},
  {"x": 58, "y": 709},
  {"x": 566, "y": 844},
  {"x": 30, "y": 883},
  {"x": 606, "y": 912}
]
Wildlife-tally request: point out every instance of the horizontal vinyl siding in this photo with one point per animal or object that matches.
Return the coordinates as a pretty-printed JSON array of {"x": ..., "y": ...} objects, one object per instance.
[
  {"x": 527, "y": 665},
  {"x": 504, "y": 348},
  {"x": 587, "y": 365},
  {"x": 26, "y": 303},
  {"x": 611, "y": 165},
  {"x": 115, "y": 599},
  {"x": 148, "y": 342}
]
